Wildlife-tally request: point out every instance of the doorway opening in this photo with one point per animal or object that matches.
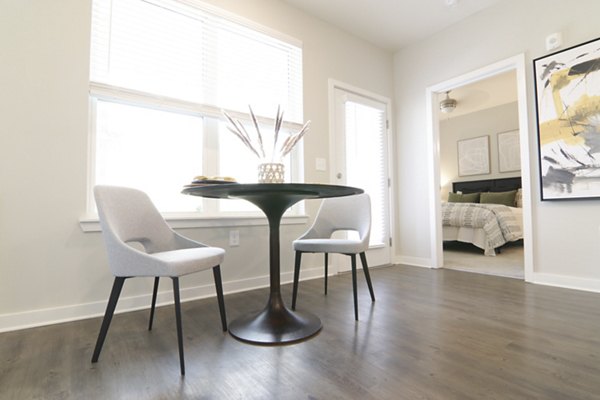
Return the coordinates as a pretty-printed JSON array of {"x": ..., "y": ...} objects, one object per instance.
[{"x": 516, "y": 67}]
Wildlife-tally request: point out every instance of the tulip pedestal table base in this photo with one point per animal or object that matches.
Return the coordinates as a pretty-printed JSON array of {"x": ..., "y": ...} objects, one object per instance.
[{"x": 275, "y": 324}]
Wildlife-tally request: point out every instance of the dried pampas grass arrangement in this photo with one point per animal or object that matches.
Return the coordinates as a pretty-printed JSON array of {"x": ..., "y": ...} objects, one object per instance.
[{"x": 256, "y": 145}]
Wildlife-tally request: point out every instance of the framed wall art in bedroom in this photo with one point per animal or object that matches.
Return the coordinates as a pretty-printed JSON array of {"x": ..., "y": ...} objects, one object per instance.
[
  {"x": 567, "y": 88},
  {"x": 509, "y": 156},
  {"x": 474, "y": 156}
]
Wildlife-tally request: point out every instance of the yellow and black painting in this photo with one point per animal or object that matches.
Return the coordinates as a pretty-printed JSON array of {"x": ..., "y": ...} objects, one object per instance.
[{"x": 568, "y": 113}]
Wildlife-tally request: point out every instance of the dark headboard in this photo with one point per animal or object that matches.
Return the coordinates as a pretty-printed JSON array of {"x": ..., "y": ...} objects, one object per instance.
[{"x": 488, "y": 185}]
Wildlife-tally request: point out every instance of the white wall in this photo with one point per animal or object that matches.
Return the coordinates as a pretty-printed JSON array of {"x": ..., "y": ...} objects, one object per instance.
[
  {"x": 565, "y": 234},
  {"x": 487, "y": 122},
  {"x": 49, "y": 269}
]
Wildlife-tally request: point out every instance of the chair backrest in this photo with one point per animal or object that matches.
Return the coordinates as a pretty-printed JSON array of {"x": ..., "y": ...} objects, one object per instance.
[
  {"x": 344, "y": 213},
  {"x": 128, "y": 215}
]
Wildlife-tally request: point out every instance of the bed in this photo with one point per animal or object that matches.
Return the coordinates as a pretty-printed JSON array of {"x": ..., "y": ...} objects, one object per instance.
[{"x": 485, "y": 225}]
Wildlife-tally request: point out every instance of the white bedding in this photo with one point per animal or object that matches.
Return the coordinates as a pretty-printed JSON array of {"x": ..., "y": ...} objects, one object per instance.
[{"x": 477, "y": 236}]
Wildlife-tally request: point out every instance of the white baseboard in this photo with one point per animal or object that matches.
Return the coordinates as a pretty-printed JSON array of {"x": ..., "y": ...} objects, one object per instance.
[
  {"x": 56, "y": 315},
  {"x": 414, "y": 261},
  {"x": 567, "y": 282}
]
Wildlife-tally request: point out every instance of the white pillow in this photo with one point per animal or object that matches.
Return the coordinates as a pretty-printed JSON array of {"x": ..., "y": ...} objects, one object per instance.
[{"x": 519, "y": 199}]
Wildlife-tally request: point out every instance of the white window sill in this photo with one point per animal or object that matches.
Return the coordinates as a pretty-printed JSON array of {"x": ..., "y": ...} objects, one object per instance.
[{"x": 191, "y": 220}]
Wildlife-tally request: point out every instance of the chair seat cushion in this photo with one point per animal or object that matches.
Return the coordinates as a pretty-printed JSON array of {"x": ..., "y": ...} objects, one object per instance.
[
  {"x": 345, "y": 246},
  {"x": 186, "y": 261}
]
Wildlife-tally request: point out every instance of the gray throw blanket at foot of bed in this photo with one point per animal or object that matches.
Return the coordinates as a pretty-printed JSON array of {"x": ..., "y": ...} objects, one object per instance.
[{"x": 497, "y": 221}]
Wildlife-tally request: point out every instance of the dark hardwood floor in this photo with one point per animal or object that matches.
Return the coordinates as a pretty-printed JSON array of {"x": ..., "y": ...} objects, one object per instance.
[{"x": 431, "y": 334}]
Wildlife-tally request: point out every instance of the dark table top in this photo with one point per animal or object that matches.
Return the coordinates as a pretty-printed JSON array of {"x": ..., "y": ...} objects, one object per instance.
[{"x": 244, "y": 190}]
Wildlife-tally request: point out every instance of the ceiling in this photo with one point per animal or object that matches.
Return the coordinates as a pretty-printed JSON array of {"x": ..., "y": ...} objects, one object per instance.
[
  {"x": 392, "y": 24},
  {"x": 487, "y": 93}
]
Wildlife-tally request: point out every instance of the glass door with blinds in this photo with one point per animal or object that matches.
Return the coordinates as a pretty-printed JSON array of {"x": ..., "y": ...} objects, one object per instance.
[{"x": 361, "y": 160}]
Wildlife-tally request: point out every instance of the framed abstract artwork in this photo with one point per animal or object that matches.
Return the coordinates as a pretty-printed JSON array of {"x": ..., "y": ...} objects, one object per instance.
[
  {"x": 474, "y": 156},
  {"x": 509, "y": 151},
  {"x": 567, "y": 88}
]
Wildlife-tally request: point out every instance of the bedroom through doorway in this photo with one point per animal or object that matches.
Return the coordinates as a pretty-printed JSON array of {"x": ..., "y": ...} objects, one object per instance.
[{"x": 478, "y": 142}]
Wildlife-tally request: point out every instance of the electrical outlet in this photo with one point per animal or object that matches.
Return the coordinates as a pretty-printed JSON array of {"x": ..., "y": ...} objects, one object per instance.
[{"x": 234, "y": 238}]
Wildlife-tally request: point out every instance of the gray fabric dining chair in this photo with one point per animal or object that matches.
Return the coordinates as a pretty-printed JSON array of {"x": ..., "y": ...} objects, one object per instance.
[
  {"x": 129, "y": 216},
  {"x": 350, "y": 213}
]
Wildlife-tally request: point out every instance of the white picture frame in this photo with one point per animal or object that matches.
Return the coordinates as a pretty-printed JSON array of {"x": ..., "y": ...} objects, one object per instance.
[
  {"x": 509, "y": 151},
  {"x": 474, "y": 156}
]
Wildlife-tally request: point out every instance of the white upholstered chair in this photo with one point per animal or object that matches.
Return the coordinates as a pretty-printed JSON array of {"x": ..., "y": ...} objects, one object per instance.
[
  {"x": 350, "y": 213},
  {"x": 128, "y": 215}
]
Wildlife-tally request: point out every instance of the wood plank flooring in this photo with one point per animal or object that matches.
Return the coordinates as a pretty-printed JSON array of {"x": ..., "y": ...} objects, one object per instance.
[{"x": 431, "y": 334}]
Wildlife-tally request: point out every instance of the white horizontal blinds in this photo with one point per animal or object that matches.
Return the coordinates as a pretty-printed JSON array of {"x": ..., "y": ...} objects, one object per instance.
[
  {"x": 179, "y": 50},
  {"x": 251, "y": 68},
  {"x": 146, "y": 47},
  {"x": 365, "y": 140}
]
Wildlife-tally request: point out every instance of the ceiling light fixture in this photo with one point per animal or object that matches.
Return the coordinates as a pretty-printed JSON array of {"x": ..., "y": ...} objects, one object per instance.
[
  {"x": 447, "y": 105},
  {"x": 451, "y": 3}
]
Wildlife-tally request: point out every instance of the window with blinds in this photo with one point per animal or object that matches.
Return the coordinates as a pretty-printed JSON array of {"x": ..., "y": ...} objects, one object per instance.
[{"x": 161, "y": 73}]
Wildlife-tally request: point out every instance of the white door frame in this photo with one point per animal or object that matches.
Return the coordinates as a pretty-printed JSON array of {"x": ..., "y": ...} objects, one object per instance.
[
  {"x": 516, "y": 63},
  {"x": 335, "y": 84}
]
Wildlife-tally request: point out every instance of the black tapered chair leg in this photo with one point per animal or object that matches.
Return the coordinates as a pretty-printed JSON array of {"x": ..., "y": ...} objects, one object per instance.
[
  {"x": 178, "y": 320},
  {"x": 326, "y": 270},
  {"x": 296, "y": 278},
  {"x": 363, "y": 259},
  {"x": 221, "y": 300},
  {"x": 152, "y": 306},
  {"x": 110, "y": 310},
  {"x": 354, "y": 289}
]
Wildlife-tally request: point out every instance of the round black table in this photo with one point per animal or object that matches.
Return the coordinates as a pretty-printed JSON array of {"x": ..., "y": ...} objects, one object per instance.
[{"x": 275, "y": 324}]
